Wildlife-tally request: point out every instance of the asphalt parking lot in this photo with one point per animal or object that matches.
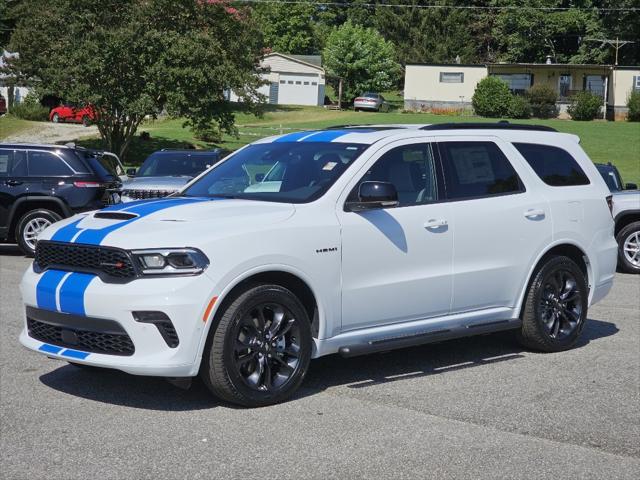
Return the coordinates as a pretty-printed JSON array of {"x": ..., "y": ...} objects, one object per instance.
[{"x": 473, "y": 408}]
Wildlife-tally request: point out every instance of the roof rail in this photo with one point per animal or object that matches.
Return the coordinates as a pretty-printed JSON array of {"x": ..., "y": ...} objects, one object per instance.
[
  {"x": 503, "y": 125},
  {"x": 370, "y": 127}
]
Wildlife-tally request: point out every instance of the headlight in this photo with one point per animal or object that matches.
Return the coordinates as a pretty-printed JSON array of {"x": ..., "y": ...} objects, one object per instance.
[{"x": 171, "y": 261}]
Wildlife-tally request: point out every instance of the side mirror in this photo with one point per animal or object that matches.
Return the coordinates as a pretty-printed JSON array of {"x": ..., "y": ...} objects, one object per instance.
[
  {"x": 259, "y": 177},
  {"x": 631, "y": 186},
  {"x": 373, "y": 195},
  {"x": 131, "y": 172}
]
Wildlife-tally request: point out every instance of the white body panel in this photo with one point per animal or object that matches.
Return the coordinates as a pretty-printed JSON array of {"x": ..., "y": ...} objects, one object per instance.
[{"x": 373, "y": 274}]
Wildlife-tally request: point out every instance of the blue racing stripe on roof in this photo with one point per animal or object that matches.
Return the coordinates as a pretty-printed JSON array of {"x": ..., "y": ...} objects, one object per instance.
[
  {"x": 293, "y": 137},
  {"x": 330, "y": 135},
  {"x": 46, "y": 289}
]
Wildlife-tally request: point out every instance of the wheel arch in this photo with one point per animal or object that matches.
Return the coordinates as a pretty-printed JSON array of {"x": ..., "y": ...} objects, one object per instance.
[
  {"x": 283, "y": 275},
  {"x": 565, "y": 248},
  {"x": 28, "y": 203},
  {"x": 625, "y": 218}
]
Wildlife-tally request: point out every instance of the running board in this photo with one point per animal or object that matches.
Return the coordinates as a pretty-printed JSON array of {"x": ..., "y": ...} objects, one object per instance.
[{"x": 386, "y": 344}]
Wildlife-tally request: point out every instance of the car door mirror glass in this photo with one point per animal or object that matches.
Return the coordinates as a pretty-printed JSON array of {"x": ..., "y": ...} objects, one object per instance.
[
  {"x": 131, "y": 172},
  {"x": 374, "y": 194}
]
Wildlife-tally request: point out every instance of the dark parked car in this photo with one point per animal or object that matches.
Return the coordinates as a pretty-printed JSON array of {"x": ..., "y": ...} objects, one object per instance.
[
  {"x": 3, "y": 105},
  {"x": 612, "y": 177},
  {"x": 41, "y": 184},
  {"x": 166, "y": 171}
]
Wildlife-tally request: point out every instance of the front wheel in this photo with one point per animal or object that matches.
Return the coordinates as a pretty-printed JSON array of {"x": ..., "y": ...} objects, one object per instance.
[
  {"x": 29, "y": 227},
  {"x": 55, "y": 118},
  {"x": 629, "y": 248},
  {"x": 86, "y": 121},
  {"x": 260, "y": 350},
  {"x": 555, "y": 308}
]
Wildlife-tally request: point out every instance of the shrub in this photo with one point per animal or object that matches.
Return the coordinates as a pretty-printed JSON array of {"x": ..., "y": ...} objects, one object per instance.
[
  {"x": 491, "y": 98},
  {"x": 585, "y": 106},
  {"x": 519, "y": 107},
  {"x": 543, "y": 100},
  {"x": 633, "y": 102},
  {"x": 30, "y": 109}
]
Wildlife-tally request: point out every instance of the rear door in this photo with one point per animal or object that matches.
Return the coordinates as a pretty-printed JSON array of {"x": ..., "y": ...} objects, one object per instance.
[
  {"x": 6, "y": 199},
  {"x": 499, "y": 223}
]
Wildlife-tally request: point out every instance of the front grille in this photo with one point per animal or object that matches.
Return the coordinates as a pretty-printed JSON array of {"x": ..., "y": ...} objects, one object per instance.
[
  {"x": 85, "y": 340},
  {"x": 112, "y": 262},
  {"x": 139, "y": 194}
]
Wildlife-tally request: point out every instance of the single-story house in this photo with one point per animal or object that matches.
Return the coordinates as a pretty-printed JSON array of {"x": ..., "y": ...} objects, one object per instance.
[
  {"x": 12, "y": 91},
  {"x": 292, "y": 79},
  {"x": 451, "y": 86}
]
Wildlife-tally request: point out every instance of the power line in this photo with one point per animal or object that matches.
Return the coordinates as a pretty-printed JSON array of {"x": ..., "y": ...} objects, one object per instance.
[
  {"x": 617, "y": 44},
  {"x": 451, "y": 7}
]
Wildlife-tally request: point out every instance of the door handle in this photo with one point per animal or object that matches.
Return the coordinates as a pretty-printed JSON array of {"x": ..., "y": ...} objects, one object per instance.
[
  {"x": 435, "y": 223},
  {"x": 13, "y": 183},
  {"x": 534, "y": 213}
]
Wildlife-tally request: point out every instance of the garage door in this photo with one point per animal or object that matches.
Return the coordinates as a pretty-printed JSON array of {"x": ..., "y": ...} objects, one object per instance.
[{"x": 298, "y": 89}]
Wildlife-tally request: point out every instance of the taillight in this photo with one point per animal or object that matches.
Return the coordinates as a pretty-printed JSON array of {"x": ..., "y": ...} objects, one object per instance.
[
  {"x": 88, "y": 184},
  {"x": 610, "y": 203}
]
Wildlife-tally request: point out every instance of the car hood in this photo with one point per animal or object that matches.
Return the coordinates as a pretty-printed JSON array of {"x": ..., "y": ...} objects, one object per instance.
[
  {"x": 156, "y": 183},
  {"x": 175, "y": 221}
]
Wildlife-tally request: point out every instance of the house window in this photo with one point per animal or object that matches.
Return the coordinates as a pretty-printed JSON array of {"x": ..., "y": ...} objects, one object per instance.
[
  {"x": 594, "y": 84},
  {"x": 282, "y": 82},
  {"x": 306, "y": 83},
  {"x": 298, "y": 82},
  {"x": 314, "y": 83},
  {"x": 451, "y": 77},
  {"x": 290, "y": 82},
  {"x": 518, "y": 82},
  {"x": 636, "y": 83}
]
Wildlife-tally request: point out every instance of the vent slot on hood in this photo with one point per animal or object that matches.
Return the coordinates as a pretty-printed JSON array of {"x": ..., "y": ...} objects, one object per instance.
[{"x": 115, "y": 215}]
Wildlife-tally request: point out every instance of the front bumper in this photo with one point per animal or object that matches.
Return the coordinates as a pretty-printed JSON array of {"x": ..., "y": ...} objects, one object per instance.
[{"x": 182, "y": 299}]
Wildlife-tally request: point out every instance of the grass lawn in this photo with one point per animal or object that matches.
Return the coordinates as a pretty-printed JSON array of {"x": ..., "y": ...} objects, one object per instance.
[
  {"x": 615, "y": 142},
  {"x": 10, "y": 125}
]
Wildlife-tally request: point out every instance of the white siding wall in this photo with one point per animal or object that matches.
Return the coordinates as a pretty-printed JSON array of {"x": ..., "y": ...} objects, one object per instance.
[{"x": 422, "y": 82}]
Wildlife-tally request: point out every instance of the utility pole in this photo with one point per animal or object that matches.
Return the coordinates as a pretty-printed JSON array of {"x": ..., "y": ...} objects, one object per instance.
[{"x": 617, "y": 44}]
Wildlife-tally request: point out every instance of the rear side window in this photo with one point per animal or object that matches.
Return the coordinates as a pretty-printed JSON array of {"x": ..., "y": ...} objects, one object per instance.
[
  {"x": 46, "y": 164},
  {"x": 555, "y": 166},
  {"x": 477, "y": 169},
  {"x": 5, "y": 155}
]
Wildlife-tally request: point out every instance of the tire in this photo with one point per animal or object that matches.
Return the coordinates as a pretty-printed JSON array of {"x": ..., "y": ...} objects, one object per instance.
[
  {"x": 86, "y": 121},
  {"x": 55, "y": 118},
  {"x": 30, "y": 224},
  {"x": 241, "y": 365},
  {"x": 629, "y": 238},
  {"x": 543, "y": 306}
]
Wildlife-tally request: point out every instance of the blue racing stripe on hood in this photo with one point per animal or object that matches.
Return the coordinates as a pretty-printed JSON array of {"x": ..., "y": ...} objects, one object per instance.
[
  {"x": 94, "y": 236},
  {"x": 46, "y": 289}
]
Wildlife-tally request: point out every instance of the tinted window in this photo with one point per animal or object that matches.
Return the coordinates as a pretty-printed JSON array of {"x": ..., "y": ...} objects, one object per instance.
[
  {"x": 19, "y": 164},
  {"x": 5, "y": 156},
  {"x": 167, "y": 164},
  {"x": 477, "y": 169},
  {"x": 295, "y": 172},
  {"x": 410, "y": 168},
  {"x": 46, "y": 164},
  {"x": 610, "y": 177},
  {"x": 75, "y": 163},
  {"x": 555, "y": 166}
]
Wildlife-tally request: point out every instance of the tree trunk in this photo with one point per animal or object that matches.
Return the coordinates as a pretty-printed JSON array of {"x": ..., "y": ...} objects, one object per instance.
[{"x": 117, "y": 133}]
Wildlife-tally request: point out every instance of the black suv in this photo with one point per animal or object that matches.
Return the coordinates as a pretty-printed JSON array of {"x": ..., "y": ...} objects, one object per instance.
[{"x": 41, "y": 184}]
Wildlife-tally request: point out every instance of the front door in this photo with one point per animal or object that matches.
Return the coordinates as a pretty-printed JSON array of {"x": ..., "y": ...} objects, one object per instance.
[
  {"x": 565, "y": 86},
  {"x": 397, "y": 262},
  {"x": 6, "y": 199}
]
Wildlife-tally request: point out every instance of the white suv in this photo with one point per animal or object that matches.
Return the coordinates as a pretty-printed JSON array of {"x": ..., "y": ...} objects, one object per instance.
[{"x": 350, "y": 240}]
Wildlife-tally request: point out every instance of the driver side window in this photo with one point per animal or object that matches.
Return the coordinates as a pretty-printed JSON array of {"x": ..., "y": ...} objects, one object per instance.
[{"x": 411, "y": 170}]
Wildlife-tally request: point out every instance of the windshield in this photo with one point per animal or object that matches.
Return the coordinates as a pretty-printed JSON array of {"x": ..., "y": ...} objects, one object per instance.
[
  {"x": 176, "y": 164},
  {"x": 610, "y": 178},
  {"x": 292, "y": 172}
]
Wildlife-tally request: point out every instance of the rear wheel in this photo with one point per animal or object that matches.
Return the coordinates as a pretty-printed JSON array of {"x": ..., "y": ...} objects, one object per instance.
[
  {"x": 555, "y": 308},
  {"x": 55, "y": 118},
  {"x": 629, "y": 248},
  {"x": 86, "y": 121},
  {"x": 29, "y": 227},
  {"x": 260, "y": 350}
]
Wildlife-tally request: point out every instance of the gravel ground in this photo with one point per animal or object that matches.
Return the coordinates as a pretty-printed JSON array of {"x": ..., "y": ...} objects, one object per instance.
[
  {"x": 473, "y": 408},
  {"x": 49, "y": 132}
]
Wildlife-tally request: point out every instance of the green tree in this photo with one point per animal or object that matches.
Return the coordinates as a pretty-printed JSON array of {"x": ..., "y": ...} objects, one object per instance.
[
  {"x": 361, "y": 58},
  {"x": 288, "y": 28},
  {"x": 133, "y": 58}
]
